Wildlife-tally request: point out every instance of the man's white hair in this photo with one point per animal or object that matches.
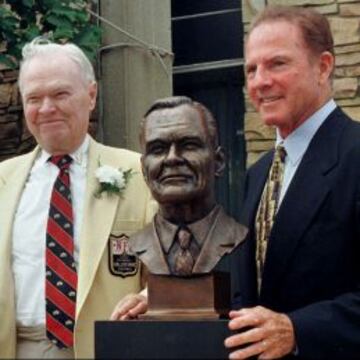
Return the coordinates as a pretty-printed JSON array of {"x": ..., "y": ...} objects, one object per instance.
[{"x": 42, "y": 47}]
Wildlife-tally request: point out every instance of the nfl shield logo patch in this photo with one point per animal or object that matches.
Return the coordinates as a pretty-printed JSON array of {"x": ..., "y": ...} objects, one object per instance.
[{"x": 121, "y": 261}]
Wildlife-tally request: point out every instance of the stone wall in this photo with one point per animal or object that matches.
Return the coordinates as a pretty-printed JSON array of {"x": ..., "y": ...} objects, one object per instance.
[
  {"x": 14, "y": 138},
  {"x": 344, "y": 18}
]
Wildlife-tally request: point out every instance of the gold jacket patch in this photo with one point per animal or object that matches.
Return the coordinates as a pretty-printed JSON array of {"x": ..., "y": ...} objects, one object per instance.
[{"x": 122, "y": 262}]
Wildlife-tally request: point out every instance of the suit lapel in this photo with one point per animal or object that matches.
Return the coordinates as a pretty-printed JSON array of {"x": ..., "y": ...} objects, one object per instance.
[
  {"x": 303, "y": 199},
  {"x": 11, "y": 189},
  {"x": 254, "y": 186},
  {"x": 146, "y": 245},
  {"x": 222, "y": 238},
  {"x": 243, "y": 265},
  {"x": 97, "y": 222}
]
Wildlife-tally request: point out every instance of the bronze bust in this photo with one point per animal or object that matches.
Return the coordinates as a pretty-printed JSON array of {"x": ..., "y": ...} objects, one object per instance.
[
  {"x": 184, "y": 247},
  {"x": 180, "y": 162}
]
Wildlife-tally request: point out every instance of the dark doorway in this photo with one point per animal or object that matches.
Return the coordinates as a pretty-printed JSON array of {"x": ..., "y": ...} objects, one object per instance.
[{"x": 207, "y": 42}]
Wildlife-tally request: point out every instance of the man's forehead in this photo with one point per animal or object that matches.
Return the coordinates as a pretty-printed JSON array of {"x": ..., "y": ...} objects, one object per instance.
[
  {"x": 48, "y": 74},
  {"x": 175, "y": 117},
  {"x": 276, "y": 31},
  {"x": 47, "y": 84},
  {"x": 184, "y": 112},
  {"x": 50, "y": 62},
  {"x": 273, "y": 39},
  {"x": 179, "y": 121}
]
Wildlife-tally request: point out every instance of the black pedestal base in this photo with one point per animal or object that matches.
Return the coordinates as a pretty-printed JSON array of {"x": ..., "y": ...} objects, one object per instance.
[{"x": 139, "y": 339}]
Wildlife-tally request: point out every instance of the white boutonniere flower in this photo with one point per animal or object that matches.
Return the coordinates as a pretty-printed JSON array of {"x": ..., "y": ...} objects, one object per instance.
[{"x": 112, "y": 180}]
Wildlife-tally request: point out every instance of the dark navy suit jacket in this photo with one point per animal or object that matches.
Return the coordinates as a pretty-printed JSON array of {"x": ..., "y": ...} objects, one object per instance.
[{"x": 312, "y": 266}]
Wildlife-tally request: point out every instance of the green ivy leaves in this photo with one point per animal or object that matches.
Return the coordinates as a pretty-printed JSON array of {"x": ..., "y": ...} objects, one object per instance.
[{"x": 59, "y": 20}]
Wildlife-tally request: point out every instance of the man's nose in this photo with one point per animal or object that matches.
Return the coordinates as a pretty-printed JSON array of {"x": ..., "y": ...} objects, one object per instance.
[
  {"x": 47, "y": 105},
  {"x": 261, "y": 78},
  {"x": 173, "y": 157}
]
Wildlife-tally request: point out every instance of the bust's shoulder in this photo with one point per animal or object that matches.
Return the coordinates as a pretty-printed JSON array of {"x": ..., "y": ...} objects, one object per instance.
[
  {"x": 234, "y": 229},
  {"x": 142, "y": 238}
]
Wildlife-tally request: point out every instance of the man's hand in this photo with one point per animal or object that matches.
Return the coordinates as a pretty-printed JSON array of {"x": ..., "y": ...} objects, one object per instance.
[
  {"x": 262, "y": 332},
  {"x": 130, "y": 307}
]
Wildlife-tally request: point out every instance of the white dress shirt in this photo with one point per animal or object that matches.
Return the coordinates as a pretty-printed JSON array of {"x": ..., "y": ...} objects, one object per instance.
[
  {"x": 29, "y": 231},
  {"x": 298, "y": 141}
]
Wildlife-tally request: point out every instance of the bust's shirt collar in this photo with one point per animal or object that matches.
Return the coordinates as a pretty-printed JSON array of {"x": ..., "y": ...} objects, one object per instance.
[{"x": 166, "y": 230}]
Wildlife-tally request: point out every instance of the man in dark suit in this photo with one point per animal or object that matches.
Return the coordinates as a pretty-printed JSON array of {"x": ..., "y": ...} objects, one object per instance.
[{"x": 302, "y": 299}]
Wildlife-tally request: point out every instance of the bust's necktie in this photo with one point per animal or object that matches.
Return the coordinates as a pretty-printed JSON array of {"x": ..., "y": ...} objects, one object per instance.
[
  {"x": 61, "y": 277},
  {"x": 183, "y": 261},
  {"x": 268, "y": 207}
]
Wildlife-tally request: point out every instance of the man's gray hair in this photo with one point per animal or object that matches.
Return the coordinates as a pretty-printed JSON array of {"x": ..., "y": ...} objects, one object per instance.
[{"x": 42, "y": 47}]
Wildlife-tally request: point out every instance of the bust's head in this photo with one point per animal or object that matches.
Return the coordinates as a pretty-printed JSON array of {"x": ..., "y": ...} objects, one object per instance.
[{"x": 181, "y": 155}]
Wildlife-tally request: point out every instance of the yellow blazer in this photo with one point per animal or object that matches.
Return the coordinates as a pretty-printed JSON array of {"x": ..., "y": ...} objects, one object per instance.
[{"x": 98, "y": 289}]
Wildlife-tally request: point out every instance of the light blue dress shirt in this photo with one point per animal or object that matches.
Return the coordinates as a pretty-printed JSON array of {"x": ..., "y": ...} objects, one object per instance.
[{"x": 298, "y": 141}]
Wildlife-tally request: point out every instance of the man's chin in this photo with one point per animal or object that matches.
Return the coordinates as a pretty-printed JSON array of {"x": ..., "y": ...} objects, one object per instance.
[
  {"x": 54, "y": 145},
  {"x": 270, "y": 120},
  {"x": 174, "y": 195}
]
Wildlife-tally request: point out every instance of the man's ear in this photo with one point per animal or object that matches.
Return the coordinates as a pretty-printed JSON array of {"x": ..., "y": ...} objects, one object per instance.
[
  {"x": 92, "y": 94},
  {"x": 220, "y": 159},
  {"x": 143, "y": 169},
  {"x": 327, "y": 63}
]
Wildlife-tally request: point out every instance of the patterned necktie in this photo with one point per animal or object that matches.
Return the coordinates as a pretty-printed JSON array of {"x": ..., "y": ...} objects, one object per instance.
[
  {"x": 268, "y": 207},
  {"x": 61, "y": 277},
  {"x": 183, "y": 261}
]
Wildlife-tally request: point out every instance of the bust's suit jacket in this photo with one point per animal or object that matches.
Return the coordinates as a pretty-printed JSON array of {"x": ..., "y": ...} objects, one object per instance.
[
  {"x": 98, "y": 289},
  {"x": 312, "y": 266},
  {"x": 224, "y": 235}
]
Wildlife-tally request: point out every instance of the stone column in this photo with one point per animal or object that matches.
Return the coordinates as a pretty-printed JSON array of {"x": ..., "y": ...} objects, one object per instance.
[{"x": 131, "y": 76}]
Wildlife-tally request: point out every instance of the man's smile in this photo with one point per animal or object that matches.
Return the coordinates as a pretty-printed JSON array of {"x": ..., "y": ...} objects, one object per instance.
[{"x": 174, "y": 177}]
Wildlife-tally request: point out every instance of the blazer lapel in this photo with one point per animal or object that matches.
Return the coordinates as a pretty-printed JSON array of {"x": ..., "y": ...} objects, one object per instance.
[
  {"x": 98, "y": 219},
  {"x": 243, "y": 267},
  {"x": 222, "y": 238},
  {"x": 303, "y": 199},
  {"x": 254, "y": 186},
  {"x": 146, "y": 245},
  {"x": 11, "y": 189}
]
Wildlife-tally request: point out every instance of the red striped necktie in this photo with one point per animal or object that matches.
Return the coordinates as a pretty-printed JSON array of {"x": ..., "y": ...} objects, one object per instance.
[{"x": 61, "y": 277}]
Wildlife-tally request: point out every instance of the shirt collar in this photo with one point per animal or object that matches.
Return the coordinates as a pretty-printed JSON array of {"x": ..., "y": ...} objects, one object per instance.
[
  {"x": 166, "y": 230},
  {"x": 298, "y": 141},
  {"x": 79, "y": 155}
]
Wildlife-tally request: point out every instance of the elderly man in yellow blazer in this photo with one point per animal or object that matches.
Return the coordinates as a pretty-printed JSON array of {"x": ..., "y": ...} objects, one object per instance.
[{"x": 58, "y": 89}]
